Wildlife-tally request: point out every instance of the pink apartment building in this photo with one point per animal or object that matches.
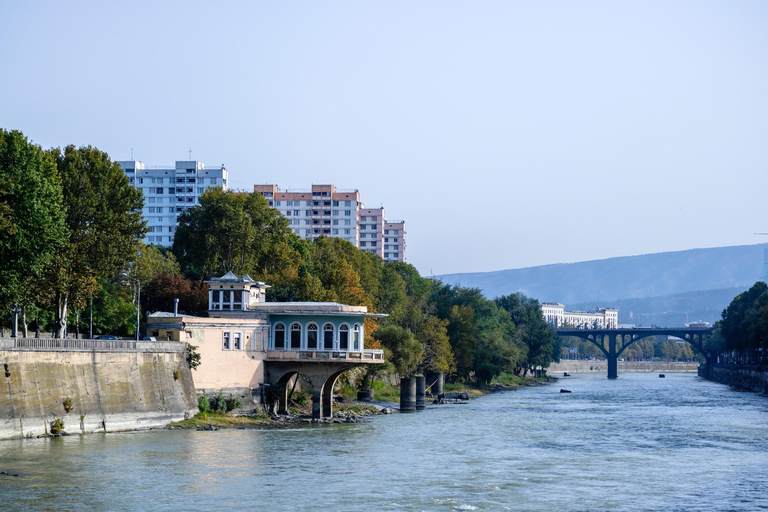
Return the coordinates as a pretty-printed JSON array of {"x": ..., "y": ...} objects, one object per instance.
[{"x": 326, "y": 211}]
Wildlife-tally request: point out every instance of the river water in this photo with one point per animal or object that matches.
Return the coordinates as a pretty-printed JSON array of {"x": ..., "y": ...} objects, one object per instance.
[{"x": 636, "y": 443}]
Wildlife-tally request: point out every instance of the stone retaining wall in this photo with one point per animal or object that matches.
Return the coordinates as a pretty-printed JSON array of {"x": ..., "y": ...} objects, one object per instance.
[
  {"x": 109, "y": 389},
  {"x": 751, "y": 378}
]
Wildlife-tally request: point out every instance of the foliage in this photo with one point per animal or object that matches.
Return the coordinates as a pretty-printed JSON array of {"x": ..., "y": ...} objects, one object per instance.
[
  {"x": 114, "y": 310},
  {"x": 744, "y": 324},
  {"x": 103, "y": 217},
  {"x": 67, "y": 402},
  {"x": 218, "y": 404},
  {"x": 57, "y": 426},
  {"x": 193, "y": 356},
  {"x": 401, "y": 348},
  {"x": 32, "y": 225},
  {"x": 233, "y": 403},
  {"x": 230, "y": 232},
  {"x": 203, "y": 404},
  {"x": 150, "y": 261},
  {"x": 160, "y": 292},
  {"x": 176, "y": 374}
]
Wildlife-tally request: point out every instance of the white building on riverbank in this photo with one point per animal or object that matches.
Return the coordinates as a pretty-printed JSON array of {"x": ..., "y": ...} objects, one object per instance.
[{"x": 599, "y": 318}]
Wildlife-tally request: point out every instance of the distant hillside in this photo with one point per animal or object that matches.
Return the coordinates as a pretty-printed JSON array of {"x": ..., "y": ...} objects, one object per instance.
[
  {"x": 631, "y": 277},
  {"x": 669, "y": 310}
]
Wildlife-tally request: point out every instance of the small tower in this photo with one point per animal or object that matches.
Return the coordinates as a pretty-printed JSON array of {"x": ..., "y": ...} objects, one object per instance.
[{"x": 230, "y": 295}]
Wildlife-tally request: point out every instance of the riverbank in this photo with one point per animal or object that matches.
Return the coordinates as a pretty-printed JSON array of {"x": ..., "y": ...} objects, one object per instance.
[{"x": 748, "y": 377}]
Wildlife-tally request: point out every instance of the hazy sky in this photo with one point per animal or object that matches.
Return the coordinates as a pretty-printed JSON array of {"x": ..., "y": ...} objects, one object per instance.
[{"x": 506, "y": 134}]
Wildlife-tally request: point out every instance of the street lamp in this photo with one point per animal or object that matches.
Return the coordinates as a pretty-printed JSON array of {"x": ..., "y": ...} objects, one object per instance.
[{"x": 138, "y": 301}]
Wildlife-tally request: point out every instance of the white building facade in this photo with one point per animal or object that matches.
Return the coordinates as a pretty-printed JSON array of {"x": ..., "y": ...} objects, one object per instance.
[
  {"x": 169, "y": 191},
  {"x": 599, "y": 318}
]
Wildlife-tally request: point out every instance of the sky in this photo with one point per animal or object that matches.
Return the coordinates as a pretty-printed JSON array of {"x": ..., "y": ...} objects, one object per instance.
[{"x": 506, "y": 134}]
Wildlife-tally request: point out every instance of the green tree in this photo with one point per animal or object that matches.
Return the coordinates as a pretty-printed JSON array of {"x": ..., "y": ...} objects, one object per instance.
[
  {"x": 32, "y": 225},
  {"x": 103, "y": 218},
  {"x": 230, "y": 232},
  {"x": 401, "y": 348},
  {"x": 541, "y": 340}
]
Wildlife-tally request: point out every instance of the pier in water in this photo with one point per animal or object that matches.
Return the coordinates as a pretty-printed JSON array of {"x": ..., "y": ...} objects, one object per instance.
[{"x": 635, "y": 443}]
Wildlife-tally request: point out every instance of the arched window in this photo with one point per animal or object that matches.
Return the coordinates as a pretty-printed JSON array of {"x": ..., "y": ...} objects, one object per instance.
[
  {"x": 312, "y": 336},
  {"x": 356, "y": 337},
  {"x": 279, "y": 336},
  {"x": 344, "y": 337},
  {"x": 328, "y": 337},
  {"x": 295, "y": 336}
]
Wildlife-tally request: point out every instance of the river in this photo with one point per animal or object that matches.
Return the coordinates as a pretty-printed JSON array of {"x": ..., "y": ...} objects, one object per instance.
[{"x": 636, "y": 443}]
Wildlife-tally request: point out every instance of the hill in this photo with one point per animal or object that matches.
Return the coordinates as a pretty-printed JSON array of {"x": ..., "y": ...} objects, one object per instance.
[{"x": 647, "y": 275}]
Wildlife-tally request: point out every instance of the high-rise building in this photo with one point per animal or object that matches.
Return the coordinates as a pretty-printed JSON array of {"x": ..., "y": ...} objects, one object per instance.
[
  {"x": 170, "y": 191},
  {"x": 326, "y": 211},
  {"x": 394, "y": 240}
]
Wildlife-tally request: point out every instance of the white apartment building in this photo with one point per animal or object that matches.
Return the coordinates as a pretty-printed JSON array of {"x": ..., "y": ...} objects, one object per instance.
[
  {"x": 326, "y": 211},
  {"x": 170, "y": 191},
  {"x": 600, "y": 318}
]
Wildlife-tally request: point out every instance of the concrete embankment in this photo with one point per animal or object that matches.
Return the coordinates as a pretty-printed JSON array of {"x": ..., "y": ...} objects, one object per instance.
[
  {"x": 751, "y": 378},
  {"x": 580, "y": 366},
  {"x": 93, "y": 385}
]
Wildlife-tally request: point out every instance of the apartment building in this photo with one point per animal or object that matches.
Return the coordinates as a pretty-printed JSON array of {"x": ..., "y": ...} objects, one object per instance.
[
  {"x": 599, "y": 318},
  {"x": 326, "y": 211},
  {"x": 394, "y": 240},
  {"x": 168, "y": 191},
  {"x": 323, "y": 210}
]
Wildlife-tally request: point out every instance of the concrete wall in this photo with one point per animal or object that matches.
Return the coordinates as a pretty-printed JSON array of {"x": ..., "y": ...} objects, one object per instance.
[
  {"x": 577, "y": 366},
  {"x": 752, "y": 378},
  {"x": 110, "y": 390}
]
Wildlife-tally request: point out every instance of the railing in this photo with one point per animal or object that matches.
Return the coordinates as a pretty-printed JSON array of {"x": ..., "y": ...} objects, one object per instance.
[
  {"x": 371, "y": 356},
  {"x": 81, "y": 345}
]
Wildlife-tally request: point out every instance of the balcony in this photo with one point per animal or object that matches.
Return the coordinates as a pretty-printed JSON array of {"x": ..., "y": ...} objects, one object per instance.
[{"x": 326, "y": 356}]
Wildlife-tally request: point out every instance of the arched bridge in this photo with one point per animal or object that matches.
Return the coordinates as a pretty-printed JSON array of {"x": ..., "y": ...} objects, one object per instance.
[{"x": 612, "y": 342}]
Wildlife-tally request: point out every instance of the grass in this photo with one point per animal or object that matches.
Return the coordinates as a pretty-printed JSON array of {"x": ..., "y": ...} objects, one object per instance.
[{"x": 220, "y": 420}]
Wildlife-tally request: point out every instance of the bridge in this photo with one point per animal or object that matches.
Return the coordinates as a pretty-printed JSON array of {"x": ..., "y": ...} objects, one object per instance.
[{"x": 612, "y": 342}]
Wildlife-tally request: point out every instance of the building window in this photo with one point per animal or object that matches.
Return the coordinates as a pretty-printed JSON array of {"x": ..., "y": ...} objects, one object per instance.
[
  {"x": 288, "y": 213},
  {"x": 277, "y": 203},
  {"x": 347, "y": 213},
  {"x": 296, "y": 213},
  {"x": 171, "y": 190},
  {"x": 346, "y": 231},
  {"x": 347, "y": 222},
  {"x": 312, "y": 336},
  {"x": 279, "y": 336},
  {"x": 295, "y": 336},
  {"x": 328, "y": 337},
  {"x": 347, "y": 203},
  {"x": 335, "y": 231},
  {"x": 237, "y": 343},
  {"x": 335, "y": 203},
  {"x": 356, "y": 337},
  {"x": 151, "y": 209},
  {"x": 335, "y": 213},
  {"x": 226, "y": 344},
  {"x": 159, "y": 190},
  {"x": 344, "y": 337},
  {"x": 363, "y": 244},
  {"x": 363, "y": 218}
]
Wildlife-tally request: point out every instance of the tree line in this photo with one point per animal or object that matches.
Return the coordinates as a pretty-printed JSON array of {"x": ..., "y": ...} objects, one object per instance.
[
  {"x": 71, "y": 223},
  {"x": 742, "y": 331}
]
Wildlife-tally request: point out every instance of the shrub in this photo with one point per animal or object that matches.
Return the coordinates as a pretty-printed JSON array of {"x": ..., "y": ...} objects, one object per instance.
[
  {"x": 176, "y": 374},
  {"x": 67, "y": 404},
  {"x": 301, "y": 398},
  {"x": 57, "y": 426},
  {"x": 203, "y": 404},
  {"x": 234, "y": 403},
  {"x": 218, "y": 404}
]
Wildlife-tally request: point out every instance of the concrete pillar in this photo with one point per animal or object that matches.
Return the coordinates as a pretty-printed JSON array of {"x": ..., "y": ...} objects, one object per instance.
[
  {"x": 421, "y": 392},
  {"x": 317, "y": 403},
  {"x": 282, "y": 402},
  {"x": 613, "y": 358},
  {"x": 435, "y": 382},
  {"x": 327, "y": 411},
  {"x": 407, "y": 394}
]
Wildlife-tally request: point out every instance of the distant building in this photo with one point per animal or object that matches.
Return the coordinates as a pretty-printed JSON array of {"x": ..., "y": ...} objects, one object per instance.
[
  {"x": 168, "y": 191},
  {"x": 326, "y": 211},
  {"x": 600, "y": 318}
]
